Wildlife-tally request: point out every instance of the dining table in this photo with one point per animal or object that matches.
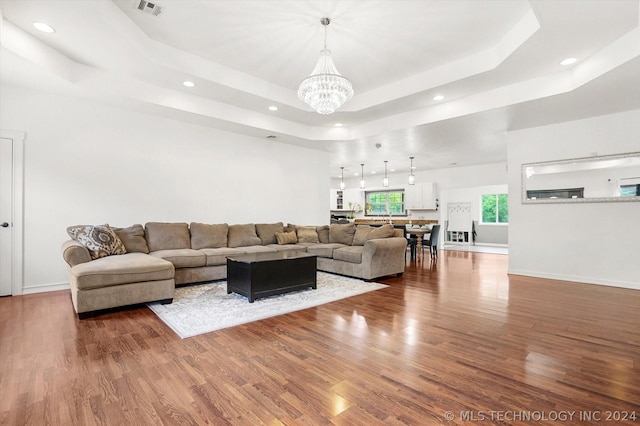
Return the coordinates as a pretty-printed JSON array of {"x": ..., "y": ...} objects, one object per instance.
[{"x": 419, "y": 234}]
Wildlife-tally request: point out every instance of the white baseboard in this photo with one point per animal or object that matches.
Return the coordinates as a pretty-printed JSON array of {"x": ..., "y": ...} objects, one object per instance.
[
  {"x": 45, "y": 288},
  {"x": 491, "y": 244},
  {"x": 575, "y": 278}
]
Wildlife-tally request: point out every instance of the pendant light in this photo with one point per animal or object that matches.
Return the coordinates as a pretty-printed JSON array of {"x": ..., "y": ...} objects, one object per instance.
[
  {"x": 385, "y": 181},
  {"x": 412, "y": 178},
  {"x": 362, "y": 176},
  {"x": 342, "y": 185}
]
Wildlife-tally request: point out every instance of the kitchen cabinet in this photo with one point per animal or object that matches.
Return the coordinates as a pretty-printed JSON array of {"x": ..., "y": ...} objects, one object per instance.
[
  {"x": 421, "y": 196},
  {"x": 353, "y": 196},
  {"x": 336, "y": 199}
]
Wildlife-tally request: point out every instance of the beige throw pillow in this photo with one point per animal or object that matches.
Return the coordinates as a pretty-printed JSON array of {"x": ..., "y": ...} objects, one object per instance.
[
  {"x": 286, "y": 237},
  {"x": 100, "y": 240}
]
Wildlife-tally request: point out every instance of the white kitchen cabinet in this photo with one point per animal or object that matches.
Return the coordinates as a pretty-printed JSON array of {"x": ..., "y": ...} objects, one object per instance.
[
  {"x": 336, "y": 199},
  {"x": 353, "y": 196},
  {"x": 413, "y": 197},
  {"x": 421, "y": 196}
]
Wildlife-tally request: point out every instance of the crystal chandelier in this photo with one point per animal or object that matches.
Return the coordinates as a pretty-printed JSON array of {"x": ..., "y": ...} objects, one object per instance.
[{"x": 325, "y": 90}]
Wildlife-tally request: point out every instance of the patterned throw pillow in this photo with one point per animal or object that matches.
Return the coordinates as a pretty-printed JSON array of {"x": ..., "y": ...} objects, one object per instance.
[{"x": 100, "y": 240}]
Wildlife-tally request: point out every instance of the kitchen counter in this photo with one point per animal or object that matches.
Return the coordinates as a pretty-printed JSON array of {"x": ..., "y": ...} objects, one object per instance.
[{"x": 398, "y": 221}]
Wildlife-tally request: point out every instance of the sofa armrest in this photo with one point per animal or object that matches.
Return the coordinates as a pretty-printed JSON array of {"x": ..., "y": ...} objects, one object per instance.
[
  {"x": 75, "y": 253},
  {"x": 384, "y": 256}
]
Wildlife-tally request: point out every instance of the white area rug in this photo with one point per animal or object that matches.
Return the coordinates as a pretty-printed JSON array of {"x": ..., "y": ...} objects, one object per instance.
[{"x": 202, "y": 308}]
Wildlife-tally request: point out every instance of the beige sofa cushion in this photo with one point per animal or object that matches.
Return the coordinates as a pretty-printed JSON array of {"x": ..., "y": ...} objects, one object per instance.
[
  {"x": 258, "y": 249},
  {"x": 307, "y": 234},
  {"x": 360, "y": 237},
  {"x": 218, "y": 256},
  {"x": 208, "y": 236},
  {"x": 167, "y": 236},
  {"x": 132, "y": 238},
  {"x": 267, "y": 232},
  {"x": 288, "y": 247},
  {"x": 349, "y": 254},
  {"x": 124, "y": 269},
  {"x": 100, "y": 240},
  {"x": 243, "y": 236},
  {"x": 342, "y": 233},
  {"x": 366, "y": 233},
  {"x": 182, "y": 258},
  {"x": 324, "y": 250},
  {"x": 323, "y": 234}
]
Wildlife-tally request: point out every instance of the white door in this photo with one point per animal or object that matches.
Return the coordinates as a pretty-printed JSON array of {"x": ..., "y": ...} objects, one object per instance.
[{"x": 6, "y": 219}]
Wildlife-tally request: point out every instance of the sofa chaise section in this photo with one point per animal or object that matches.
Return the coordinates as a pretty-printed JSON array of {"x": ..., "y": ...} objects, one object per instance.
[{"x": 115, "y": 281}]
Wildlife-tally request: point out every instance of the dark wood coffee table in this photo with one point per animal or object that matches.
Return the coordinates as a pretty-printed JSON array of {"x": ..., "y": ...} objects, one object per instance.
[{"x": 266, "y": 274}]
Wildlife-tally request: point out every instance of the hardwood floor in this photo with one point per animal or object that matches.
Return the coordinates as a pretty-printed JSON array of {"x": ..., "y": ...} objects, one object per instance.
[{"x": 459, "y": 336}]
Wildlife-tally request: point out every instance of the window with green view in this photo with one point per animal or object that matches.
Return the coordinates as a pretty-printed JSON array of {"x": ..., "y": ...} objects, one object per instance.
[
  {"x": 495, "y": 208},
  {"x": 382, "y": 203}
]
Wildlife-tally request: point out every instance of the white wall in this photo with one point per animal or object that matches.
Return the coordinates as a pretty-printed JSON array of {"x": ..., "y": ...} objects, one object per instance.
[
  {"x": 588, "y": 242},
  {"x": 87, "y": 163}
]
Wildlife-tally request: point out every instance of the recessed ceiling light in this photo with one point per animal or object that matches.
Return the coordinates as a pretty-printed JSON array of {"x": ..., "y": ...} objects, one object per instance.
[
  {"x": 373, "y": 173},
  {"x": 355, "y": 174},
  {"x": 568, "y": 61},
  {"x": 438, "y": 97},
  {"x": 392, "y": 170},
  {"x": 273, "y": 108},
  {"x": 338, "y": 124},
  {"x": 188, "y": 83},
  {"x": 46, "y": 28}
]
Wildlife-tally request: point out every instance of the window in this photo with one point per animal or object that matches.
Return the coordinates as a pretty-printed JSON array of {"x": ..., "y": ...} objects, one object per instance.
[
  {"x": 630, "y": 190},
  {"x": 495, "y": 208},
  {"x": 383, "y": 203}
]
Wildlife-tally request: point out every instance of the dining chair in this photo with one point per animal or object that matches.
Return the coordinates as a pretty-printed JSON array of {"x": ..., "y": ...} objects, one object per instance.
[{"x": 432, "y": 242}]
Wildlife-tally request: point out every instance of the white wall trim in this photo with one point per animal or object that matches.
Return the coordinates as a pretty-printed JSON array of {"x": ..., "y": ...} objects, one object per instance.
[
  {"x": 575, "y": 278},
  {"x": 17, "y": 267},
  {"x": 46, "y": 287},
  {"x": 489, "y": 245}
]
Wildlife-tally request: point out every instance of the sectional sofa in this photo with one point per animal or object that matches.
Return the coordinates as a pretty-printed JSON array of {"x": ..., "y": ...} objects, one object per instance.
[{"x": 111, "y": 267}]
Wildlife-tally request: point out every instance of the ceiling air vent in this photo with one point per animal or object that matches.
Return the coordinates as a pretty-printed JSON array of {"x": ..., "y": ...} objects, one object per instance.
[{"x": 150, "y": 8}]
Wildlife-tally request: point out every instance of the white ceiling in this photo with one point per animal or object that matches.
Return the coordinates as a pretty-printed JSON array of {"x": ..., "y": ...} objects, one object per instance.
[{"x": 496, "y": 63}]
